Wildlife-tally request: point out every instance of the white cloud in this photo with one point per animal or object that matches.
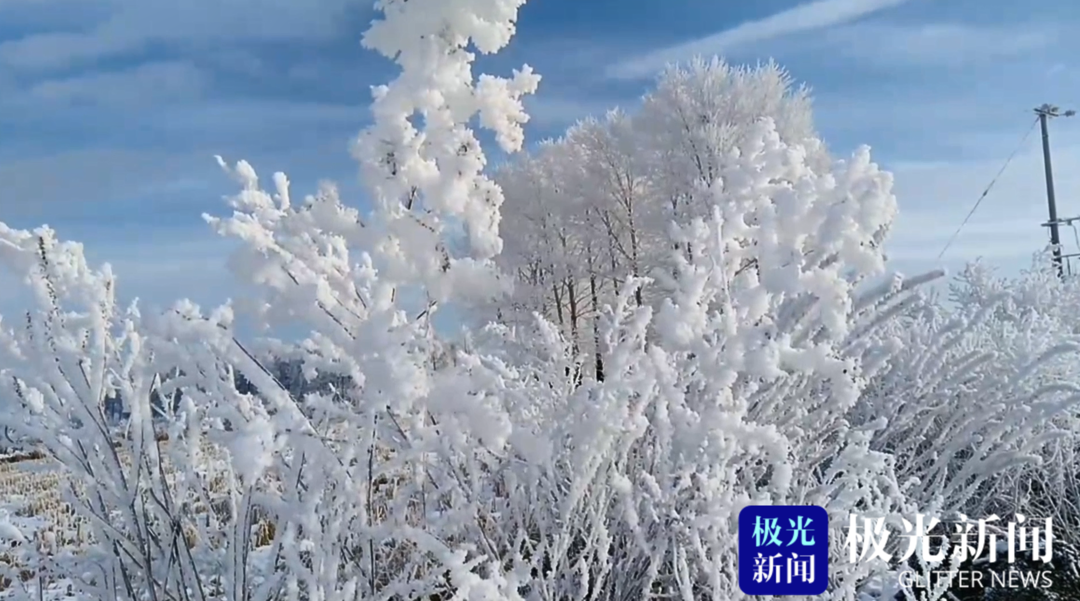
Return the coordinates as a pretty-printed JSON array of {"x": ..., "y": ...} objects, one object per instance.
[
  {"x": 162, "y": 81},
  {"x": 940, "y": 45},
  {"x": 820, "y": 14},
  {"x": 87, "y": 177},
  {"x": 257, "y": 113},
  {"x": 935, "y": 197},
  {"x": 552, "y": 111},
  {"x": 163, "y": 271},
  {"x": 130, "y": 25},
  {"x": 295, "y": 137}
]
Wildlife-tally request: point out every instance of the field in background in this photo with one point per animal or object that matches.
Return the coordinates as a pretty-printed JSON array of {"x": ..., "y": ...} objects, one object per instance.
[
  {"x": 33, "y": 515},
  {"x": 35, "y": 521}
]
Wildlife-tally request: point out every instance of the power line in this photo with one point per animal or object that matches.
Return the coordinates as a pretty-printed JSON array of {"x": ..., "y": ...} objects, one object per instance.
[{"x": 988, "y": 188}]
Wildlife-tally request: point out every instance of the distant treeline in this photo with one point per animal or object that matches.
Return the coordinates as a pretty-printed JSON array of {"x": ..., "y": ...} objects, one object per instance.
[{"x": 288, "y": 373}]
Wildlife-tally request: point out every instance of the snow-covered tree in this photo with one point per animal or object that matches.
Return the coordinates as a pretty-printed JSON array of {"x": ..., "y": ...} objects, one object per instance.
[
  {"x": 699, "y": 114},
  {"x": 706, "y": 252},
  {"x": 596, "y": 205}
]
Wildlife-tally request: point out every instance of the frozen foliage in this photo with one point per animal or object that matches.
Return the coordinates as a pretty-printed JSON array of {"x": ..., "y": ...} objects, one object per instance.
[
  {"x": 587, "y": 210},
  {"x": 685, "y": 325},
  {"x": 146, "y": 505},
  {"x": 945, "y": 398},
  {"x": 1030, "y": 319}
]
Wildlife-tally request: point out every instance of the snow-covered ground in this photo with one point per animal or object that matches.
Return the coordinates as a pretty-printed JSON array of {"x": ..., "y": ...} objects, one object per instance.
[{"x": 668, "y": 314}]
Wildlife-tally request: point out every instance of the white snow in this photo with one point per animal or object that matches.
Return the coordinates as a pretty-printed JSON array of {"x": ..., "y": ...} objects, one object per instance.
[{"x": 670, "y": 315}]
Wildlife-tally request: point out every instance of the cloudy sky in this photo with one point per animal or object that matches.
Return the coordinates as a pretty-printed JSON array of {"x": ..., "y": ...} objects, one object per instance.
[{"x": 111, "y": 111}]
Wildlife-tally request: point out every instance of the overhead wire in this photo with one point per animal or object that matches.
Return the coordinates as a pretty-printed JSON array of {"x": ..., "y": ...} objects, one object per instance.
[{"x": 986, "y": 191}]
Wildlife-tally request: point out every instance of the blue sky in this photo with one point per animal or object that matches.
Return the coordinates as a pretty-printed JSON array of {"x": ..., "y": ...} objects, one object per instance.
[{"x": 111, "y": 111}]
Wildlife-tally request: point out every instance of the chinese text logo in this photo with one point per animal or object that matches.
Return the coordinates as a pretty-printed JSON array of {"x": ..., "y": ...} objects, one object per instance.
[
  {"x": 783, "y": 550},
  {"x": 960, "y": 554},
  {"x": 970, "y": 540}
]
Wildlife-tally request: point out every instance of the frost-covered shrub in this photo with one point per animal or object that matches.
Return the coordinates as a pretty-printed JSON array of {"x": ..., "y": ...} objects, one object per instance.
[
  {"x": 151, "y": 518},
  {"x": 493, "y": 469},
  {"x": 973, "y": 390},
  {"x": 1030, "y": 319}
]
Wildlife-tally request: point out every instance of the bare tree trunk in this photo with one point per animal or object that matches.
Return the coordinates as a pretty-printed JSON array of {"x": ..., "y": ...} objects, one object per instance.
[
  {"x": 635, "y": 264},
  {"x": 575, "y": 313},
  {"x": 537, "y": 279},
  {"x": 598, "y": 357},
  {"x": 558, "y": 303}
]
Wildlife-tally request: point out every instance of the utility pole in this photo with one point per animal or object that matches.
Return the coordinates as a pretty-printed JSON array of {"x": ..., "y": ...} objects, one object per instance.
[{"x": 1045, "y": 112}]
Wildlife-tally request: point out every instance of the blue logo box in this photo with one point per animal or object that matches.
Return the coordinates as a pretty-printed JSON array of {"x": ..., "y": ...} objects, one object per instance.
[{"x": 783, "y": 550}]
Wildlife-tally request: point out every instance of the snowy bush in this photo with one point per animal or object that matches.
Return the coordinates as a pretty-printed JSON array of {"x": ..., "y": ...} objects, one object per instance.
[
  {"x": 1029, "y": 321},
  {"x": 150, "y": 508},
  {"x": 693, "y": 329}
]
